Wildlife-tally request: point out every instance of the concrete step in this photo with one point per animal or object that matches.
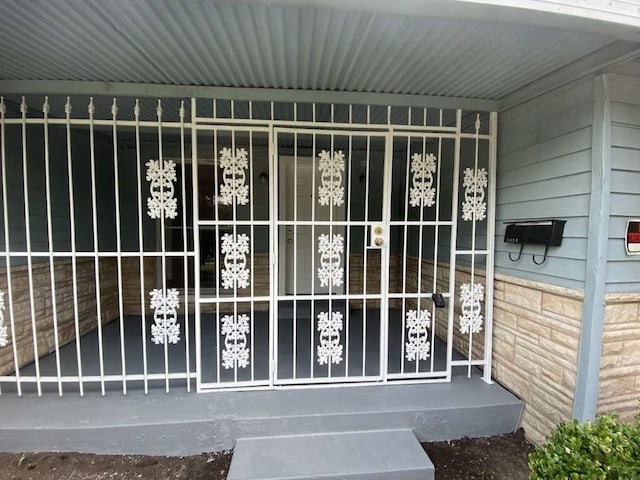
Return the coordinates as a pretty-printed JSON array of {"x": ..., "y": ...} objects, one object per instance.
[{"x": 370, "y": 455}]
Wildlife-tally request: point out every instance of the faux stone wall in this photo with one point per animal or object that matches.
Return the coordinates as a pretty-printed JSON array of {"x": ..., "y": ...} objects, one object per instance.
[
  {"x": 620, "y": 364},
  {"x": 43, "y": 307},
  {"x": 535, "y": 349}
]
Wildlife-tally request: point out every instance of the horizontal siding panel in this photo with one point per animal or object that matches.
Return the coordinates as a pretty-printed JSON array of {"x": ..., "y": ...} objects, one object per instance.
[
  {"x": 575, "y": 141},
  {"x": 626, "y": 182},
  {"x": 624, "y": 271},
  {"x": 530, "y": 132},
  {"x": 576, "y": 206},
  {"x": 561, "y": 187},
  {"x": 557, "y": 271},
  {"x": 625, "y": 114},
  {"x": 573, "y": 248},
  {"x": 624, "y": 89},
  {"x": 622, "y": 287},
  {"x": 617, "y": 253},
  {"x": 625, "y": 204},
  {"x": 625, "y": 159},
  {"x": 625, "y": 136},
  {"x": 554, "y": 103},
  {"x": 577, "y": 162},
  {"x": 618, "y": 225}
]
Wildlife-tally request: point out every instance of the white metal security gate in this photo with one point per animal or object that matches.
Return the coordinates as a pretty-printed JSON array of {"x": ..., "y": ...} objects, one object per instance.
[
  {"x": 236, "y": 244},
  {"x": 331, "y": 244}
]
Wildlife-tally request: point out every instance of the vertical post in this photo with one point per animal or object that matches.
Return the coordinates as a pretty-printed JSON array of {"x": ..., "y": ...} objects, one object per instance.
[
  {"x": 587, "y": 382},
  {"x": 52, "y": 275},
  {"x": 385, "y": 254},
  {"x": 185, "y": 249},
  {"x": 96, "y": 248},
  {"x": 491, "y": 240},
  {"x": 454, "y": 242},
  {"x": 74, "y": 258},
  {"x": 7, "y": 243},
  {"x": 163, "y": 245},
  {"x": 123, "y": 360},
  {"x": 136, "y": 112},
  {"x": 196, "y": 241},
  {"x": 473, "y": 239},
  {"x": 27, "y": 226}
]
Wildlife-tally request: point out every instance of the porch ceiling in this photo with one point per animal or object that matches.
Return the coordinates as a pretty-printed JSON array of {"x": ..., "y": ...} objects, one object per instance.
[{"x": 292, "y": 46}]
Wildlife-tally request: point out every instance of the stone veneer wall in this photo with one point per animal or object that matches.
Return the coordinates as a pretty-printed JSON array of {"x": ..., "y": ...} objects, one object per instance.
[
  {"x": 535, "y": 349},
  {"x": 620, "y": 364},
  {"x": 87, "y": 308}
]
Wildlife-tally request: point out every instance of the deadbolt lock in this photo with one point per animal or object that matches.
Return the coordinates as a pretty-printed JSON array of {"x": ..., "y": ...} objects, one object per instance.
[
  {"x": 378, "y": 231},
  {"x": 379, "y": 241}
]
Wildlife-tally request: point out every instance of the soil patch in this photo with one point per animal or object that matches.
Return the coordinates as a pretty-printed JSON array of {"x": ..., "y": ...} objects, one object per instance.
[
  {"x": 492, "y": 458},
  {"x": 504, "y": 457}
]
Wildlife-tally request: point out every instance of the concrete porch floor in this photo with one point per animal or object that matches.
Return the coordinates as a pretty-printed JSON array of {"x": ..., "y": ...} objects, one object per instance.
[
  {"x": 179, "y": 423},
  {"x": 363, "y": 346}
]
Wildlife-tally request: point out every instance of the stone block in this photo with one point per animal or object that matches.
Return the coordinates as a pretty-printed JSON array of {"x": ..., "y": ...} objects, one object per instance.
[
  {"x": 567, "y": 307},
  {"x": 525, "y": 297}
]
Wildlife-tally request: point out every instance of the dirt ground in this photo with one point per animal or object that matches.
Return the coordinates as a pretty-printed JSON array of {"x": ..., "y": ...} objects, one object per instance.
[{"x": 492, "y": 458}]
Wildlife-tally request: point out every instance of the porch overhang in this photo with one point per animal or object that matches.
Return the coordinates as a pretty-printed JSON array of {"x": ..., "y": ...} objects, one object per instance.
[{"x": 485, "y": 51}]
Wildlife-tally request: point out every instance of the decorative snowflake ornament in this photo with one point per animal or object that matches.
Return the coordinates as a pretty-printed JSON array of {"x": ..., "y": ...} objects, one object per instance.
[
  {"x": 162, "y": 176},
  {"x": 331, "y": 190},
  {"x": 474, "y": 207},
  {"x": 471, "y": 294},
  {"x": 418, "y": 345},
  {"x": 235, "y": 331},
  {"x": 235, "y": 249},
  {"x": 422, "y": 193},
  {"x": 234, "y": 187},
  {"x": 330, "y": 273},
  {"x": 330, "y": 349},
  {"x": 3, "y": 328},
  {"x": 165, "y": 316}
]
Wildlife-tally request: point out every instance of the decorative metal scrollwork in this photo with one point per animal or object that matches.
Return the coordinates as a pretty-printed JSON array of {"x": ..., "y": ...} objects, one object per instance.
[
  {"x": 330, "y": 273},
  {"x": 234, "y": 187},
  {"x": 235, "y": 330},
  {"x": 422, "y": 193},
  {"x": 418, "y": 345},
  {"x": 166, "y": 328},
  {"x": 162, "y": 175},
  {"x": 471, "y": 294},
  {"x": 330, "y": 349},
  {"x": 235, "y": 249},
  {"x": 474, "y": 206},
  {"x": 331, "y": 166}
]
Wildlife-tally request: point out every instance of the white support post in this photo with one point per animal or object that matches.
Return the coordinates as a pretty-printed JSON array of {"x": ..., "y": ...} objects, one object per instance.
[
  {"x": 74, "y": 259},
  {"x": 52, "y": 275},
  {"x": 116, "y": 189},
  {"x": 96, "y": 247},
  {"x": 7, "y": 243},
  {"x": 27, "y": 226},
  {"x": 141, "y": 256}
]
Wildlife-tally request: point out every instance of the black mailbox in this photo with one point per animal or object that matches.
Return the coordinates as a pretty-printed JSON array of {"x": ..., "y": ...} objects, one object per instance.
[{"x": 534, "y": 232}]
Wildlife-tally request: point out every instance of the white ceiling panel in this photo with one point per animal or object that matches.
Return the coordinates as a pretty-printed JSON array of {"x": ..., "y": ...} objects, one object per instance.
[{"x": 212, "y": 43}]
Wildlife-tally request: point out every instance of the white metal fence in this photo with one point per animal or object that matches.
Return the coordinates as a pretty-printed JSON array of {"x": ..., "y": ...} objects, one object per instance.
[{"x": 204, "y": 244}]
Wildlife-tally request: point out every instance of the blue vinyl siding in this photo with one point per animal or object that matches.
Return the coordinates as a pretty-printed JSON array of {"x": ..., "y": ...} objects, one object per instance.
[
  {"x": 544, "y": 171},
  {"x": 623, "y": 271}
]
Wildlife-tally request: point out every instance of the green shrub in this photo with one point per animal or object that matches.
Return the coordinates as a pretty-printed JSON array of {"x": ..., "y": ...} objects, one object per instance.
[{"x": 600, "y": 450}]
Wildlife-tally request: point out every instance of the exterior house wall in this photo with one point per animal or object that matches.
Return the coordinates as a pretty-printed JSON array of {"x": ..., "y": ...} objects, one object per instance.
[
  {"x": 544, "y": 164},
  {"x": 544, "y": 171},
  {"x": 620, "y": 365}
]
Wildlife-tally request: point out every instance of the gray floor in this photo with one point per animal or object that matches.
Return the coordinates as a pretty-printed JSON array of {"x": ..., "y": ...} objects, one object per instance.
[{"x": 361, "y": 337}]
